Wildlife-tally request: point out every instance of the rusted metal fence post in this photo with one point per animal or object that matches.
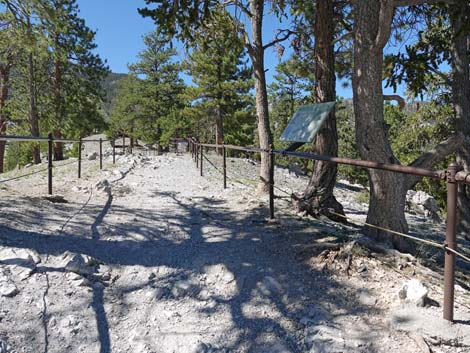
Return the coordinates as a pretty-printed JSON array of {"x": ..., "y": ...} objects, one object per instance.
[
  {"x": 451, "y": 242},
  {"x": 114, "y": 151},
  {"x": 224, "y": 160},
  {"x": 80, "y": 158},
  {"x": 202, "y": 157},
  {"x": 123, "y": 144},
  {"x": 49, "y": 167},
  {"x": 271, "y": 183},
  {"x": 101, "y": 153},
  {"x": 197, "y": 155}
]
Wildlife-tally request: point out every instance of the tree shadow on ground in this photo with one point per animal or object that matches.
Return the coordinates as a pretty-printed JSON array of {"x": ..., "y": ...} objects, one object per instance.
[{"x": 262, "y": 257}]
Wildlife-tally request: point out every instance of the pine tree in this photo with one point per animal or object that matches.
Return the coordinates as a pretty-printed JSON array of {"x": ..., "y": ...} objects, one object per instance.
[
  {"x": 221, "y": 76},
  {"x": 7, "y": 58},
  {"x": 188, "y": 16},
  {"x": 77, "y": 72},
  {"x": 292, "y": 86},
  {"x": 57, "y": 77},
  {"x": 151, "y": 95}
]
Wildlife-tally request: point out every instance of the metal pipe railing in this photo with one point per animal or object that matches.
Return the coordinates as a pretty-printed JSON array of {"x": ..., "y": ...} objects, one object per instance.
[
  {"x": 43, "y": 139},
  {"x": 51, "y": 141},
  {"x": 453, "y": 175},
  {"x": 397, "y": 168}
]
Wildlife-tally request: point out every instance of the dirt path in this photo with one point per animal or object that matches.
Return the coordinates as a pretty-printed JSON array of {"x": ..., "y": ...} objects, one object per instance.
[{"x": 169, "y": 262}]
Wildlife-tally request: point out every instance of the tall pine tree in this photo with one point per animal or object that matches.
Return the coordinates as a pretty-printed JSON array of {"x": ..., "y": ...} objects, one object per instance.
[
  {"x": 152, "y": 95},
  {"x": 221, "y": 76}
]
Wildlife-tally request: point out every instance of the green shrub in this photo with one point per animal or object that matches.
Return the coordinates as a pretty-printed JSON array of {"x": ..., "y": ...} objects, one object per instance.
[{"x": 18, "y": 154}]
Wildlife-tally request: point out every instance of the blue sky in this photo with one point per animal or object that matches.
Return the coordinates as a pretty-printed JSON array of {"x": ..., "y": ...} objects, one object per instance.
[{"x": 120, "y": 29}]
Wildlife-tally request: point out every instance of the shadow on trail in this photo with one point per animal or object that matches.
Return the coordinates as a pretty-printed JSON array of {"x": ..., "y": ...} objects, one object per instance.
[
  {"x": 263, "y": 258},
  {"x": 101, "y": 319}
]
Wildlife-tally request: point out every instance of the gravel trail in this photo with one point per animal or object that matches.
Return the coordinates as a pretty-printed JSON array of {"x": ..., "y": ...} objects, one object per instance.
[{"x": 149, "y": 257}]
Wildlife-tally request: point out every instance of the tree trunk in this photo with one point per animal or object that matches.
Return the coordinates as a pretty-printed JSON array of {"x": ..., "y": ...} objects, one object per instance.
[
  {"x": 219, "y": 125},
  {"x": 387, "y": 190},
  {"x": 219, "y": 131},
  {"x": 461, "y": 96},
  {"x": 58, "y": 146},
  {"x": 318, "y": 196},
  {"x": 256, "y": 52},
  {"x": 33, "y": 111},
  {"x": 4, "y": 86}
]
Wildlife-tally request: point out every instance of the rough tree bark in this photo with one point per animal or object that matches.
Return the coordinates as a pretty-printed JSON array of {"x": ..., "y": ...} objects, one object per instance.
[
  {"x": 219, "y": 125},
  {"x": 4, "y": 88},
  {"x": 256, "y": 52},
  {"x": 461, "y": 96},
  {"x": 57, "y": 78},
  {"x": 219, "y": 130},
  {"x": 388, "y": 190},
  {"x": 318, "y": 196}
]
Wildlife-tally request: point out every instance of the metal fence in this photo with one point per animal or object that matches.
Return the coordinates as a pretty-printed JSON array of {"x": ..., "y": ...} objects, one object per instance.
[
  {"x": 452, "y": 176},
  {"x": 51, "y": 141}
]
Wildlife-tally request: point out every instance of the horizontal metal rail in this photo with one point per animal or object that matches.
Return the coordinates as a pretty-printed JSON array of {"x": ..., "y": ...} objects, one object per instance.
[
  {"x": 463, "y": 177},
  {"x": 246, "y": 149},
  {"x": 233, "y": 147},
  {"x": 452, "y": 175},
  {"x": 42, "y": 139},
  {"x": 435, "y": 174},
  {"x": 87, "y": 140}
]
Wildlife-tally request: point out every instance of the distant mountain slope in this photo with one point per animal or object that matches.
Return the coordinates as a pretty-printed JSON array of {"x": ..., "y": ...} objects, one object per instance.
[{"x": 111, "y": 86}]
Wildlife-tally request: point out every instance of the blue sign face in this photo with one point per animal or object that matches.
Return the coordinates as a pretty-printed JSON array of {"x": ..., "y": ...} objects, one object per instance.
[{"x": 306, "y": 122}]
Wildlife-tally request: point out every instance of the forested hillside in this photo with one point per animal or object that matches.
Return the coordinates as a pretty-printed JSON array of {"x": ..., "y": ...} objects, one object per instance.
[
  {"x": 50, "y": 76},
  {"x": 110, "y": 86}
]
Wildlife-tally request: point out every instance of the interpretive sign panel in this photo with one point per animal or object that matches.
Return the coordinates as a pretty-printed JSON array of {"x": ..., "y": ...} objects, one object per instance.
[{"x": 306, "y": 122}]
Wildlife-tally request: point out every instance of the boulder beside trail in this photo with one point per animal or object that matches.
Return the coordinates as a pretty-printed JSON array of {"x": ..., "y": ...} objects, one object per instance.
[
  {"x": 423, "y": 203},
  {"x": 92, "y": 156},
  {"x": 7, "y": 287},
  {"x": 80, "y": 264},
  {"x": 414, "y": 292}
]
